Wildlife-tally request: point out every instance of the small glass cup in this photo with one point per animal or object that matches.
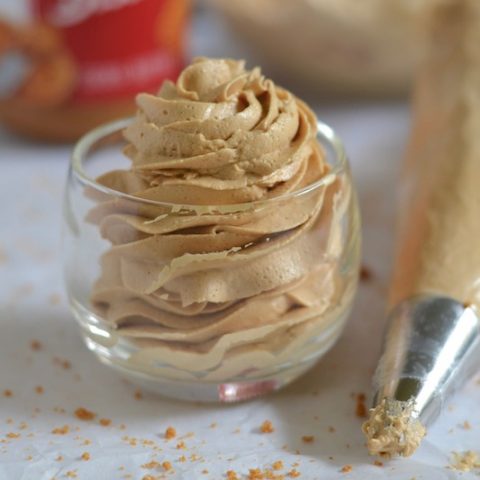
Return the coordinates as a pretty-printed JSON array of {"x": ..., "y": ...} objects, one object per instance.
[{"x": 232, "y": 302}]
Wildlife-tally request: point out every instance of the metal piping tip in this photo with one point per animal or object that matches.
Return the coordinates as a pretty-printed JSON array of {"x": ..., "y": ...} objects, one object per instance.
[{"x": 432, "y": 346}]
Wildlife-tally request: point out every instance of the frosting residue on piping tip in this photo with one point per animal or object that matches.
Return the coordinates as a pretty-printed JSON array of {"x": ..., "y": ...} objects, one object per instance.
[{"x": 393, "y": 429}]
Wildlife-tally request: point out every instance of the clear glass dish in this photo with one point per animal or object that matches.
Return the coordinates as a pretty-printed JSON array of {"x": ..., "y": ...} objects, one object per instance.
[{"x": 203, "y": 311}]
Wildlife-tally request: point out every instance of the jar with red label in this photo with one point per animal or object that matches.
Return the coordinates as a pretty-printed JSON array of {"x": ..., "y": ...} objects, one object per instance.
[{"x": 69, "y": 65}]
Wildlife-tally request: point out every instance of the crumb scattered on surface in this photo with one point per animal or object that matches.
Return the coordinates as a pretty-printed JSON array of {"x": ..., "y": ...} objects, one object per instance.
[
  {"x": 7, "y": 393},
  {"x": 465, "y": 461},
  {"x": 278, "y": 465},
  {"x": 151, "y": 465},
  {"x": 138, "y": 395},
  {"x": 105, "y": 422},
  {"x": 331, "y": 429},
  {"x": 85, "y": 456},
  {"x": 170, "y": 433},
  {"x": 167, "y": 466},
  {"x": 267, "y": 427},
  {"x": 360, "y": 407},
  {"x": 255, "y": 474},
  {"x": 12, "y": 435},
  {"x": 61, "y": 430},
  {"x": 293, "y": 473},
  {"x": 84, "y": 414},
  {"x": 62, "y": 362},
  {"x": 308, "y": 439},
  {"x": 466, "y": 425},
  {"x": 181, "y": 445},
  {"x": 346, "y": 469},
  {"x": 378, "y": 463},
  {"x": 365, "y": 274},
  {"x": 231, "y": 475},
  {"x": 39, "y": 389}
]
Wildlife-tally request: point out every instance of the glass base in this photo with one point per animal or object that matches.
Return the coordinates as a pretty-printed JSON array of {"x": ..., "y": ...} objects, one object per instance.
[
  {"x": 201, "y": 391},
  {"x": 115, "y": 352}
]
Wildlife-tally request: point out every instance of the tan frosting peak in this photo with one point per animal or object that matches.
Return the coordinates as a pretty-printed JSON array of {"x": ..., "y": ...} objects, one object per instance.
[
  {"x": 227, "y": 259},
  {"x": 221, "y": 127}
]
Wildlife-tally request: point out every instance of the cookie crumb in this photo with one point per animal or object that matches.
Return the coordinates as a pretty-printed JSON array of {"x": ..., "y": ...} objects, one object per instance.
[
  {"x": 293, "y": 473},
  {"x": 105, "y": 422},
  {"x": 465, "y": 461},
  {"x": 167, "y": 466},
  {"x": 39, "y": 389},
  {"x": 150, "y": 465},
  {"x": 7, "y": 393},
  {"x": 466, "y": 425},
  {"x": 365, "y": 274},
  {"x": 231, "y": 475},
  {"x": 85, "y": 456},
  {"x": 255, "y": 474},
  {"x": 84, "y": 414},
  {"x": 331, "y": 429},
  {"x": 378, "y": 463},
  {"x": 360, "y": 407},
  {"x": 36, "y": 346},
  {"x": 278, "y": 465},
  {"x": 181, "y": 445},
  {"x": 308, "y": 439},
  {"x": 267, "y": 427},
  {"x": 138, "y": 395},
  {"x": 12, "y": 435},
  {"x": 61, "y": 362},
  {"x": 346, "y": 469},
  {"x": 170, "y": 433},
  {"x": 61, "y": 430}
]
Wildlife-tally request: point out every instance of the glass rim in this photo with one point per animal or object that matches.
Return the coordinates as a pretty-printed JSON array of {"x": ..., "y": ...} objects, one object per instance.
[{"x": 83, "y": 147}]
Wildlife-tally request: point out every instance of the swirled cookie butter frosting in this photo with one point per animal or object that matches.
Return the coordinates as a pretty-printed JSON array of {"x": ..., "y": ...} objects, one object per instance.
[{"x": 221, "y": 269}]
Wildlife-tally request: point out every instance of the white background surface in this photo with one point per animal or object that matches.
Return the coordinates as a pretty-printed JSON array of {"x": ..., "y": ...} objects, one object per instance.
[{"x": 33, "y": 307}]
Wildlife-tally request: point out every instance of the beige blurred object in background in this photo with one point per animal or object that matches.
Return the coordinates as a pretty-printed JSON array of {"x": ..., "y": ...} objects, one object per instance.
[{"x": 342, "y": 47}]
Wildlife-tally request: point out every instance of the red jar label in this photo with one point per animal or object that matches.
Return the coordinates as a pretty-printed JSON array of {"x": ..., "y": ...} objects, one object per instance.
[{"x": 109, "y": 49}]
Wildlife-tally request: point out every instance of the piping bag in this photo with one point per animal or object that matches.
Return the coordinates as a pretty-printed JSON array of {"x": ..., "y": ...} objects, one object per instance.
[{"x": 432, "y": 341}]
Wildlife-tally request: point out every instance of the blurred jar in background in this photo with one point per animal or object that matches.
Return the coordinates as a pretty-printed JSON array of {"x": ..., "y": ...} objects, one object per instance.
[{"x": 69, "y": 65}]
